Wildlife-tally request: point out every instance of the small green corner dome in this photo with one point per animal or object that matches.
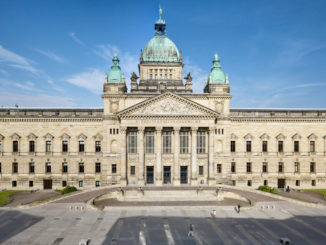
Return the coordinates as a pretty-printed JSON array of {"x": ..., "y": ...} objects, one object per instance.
[
  {"x": 161, "y": 49},
  {"x": 216, "y": 75},
  {"x": 115, "y": 74}
]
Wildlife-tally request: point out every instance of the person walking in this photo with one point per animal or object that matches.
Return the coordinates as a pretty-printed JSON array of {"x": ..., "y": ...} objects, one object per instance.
[
  {"x": 191, "y": 230},
  {"x": 213, "y": 213},
  {"x": 239, "y": 208}
]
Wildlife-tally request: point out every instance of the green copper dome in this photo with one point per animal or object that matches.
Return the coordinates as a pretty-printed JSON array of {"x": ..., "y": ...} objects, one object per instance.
[
  {"x": 216, "y": 75},
  {"x": 115, "y": 74},
  {"x": 160, "y": 48}
]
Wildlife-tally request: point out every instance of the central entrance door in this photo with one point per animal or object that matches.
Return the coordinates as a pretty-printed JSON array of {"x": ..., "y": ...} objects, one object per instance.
[
  {"x": 150, "y": 175},
  {"x": 167, "y": 175},
  {"x": 281, "y": 183},
  {"x": 47, "y": 184},
  {"x": 184, "y": 174}
]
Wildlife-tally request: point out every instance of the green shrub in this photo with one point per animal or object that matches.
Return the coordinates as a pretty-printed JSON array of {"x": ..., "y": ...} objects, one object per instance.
[
  {"x": 266, "y": 188},
  {"x": 67, "y": 190}
]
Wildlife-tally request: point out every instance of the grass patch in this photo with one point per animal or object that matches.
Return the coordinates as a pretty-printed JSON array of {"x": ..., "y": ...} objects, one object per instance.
[
  {"x": 5, "y": 195},
  {"x": 266, "y": 188},
  {"x": 319, "y": 191},
  {"x": 67, "y": 189}
]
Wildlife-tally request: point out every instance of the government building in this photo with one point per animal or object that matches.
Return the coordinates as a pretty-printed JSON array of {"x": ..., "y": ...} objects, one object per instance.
[{"x": 160, "y": 133}]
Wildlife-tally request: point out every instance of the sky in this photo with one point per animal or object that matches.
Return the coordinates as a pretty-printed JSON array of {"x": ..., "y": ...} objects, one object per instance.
[{"x": 56, "y": 53}]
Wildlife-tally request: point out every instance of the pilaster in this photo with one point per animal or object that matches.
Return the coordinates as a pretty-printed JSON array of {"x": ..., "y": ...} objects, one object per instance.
[
  {"x": 176, "y": 178},
  {"x": 158, "y": 149}
]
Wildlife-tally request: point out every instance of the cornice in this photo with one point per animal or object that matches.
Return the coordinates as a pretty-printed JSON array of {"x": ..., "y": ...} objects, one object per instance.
[
  {"x": 283, "y": 120},
  {"x": 22, "y": 119}
]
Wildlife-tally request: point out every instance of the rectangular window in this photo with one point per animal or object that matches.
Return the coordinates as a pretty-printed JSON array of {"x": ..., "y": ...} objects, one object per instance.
[
  {"x": 48, "y": 167},
  {"x": 81, "y": 167},
  {"x": 296, "y": 146},
  {"x": 297, "y": 182},
  {"x": 149, "y": 142},
  {"x": 170, "y": 76},
  {"x": 132, "y": 142},
  {"x": 151, "y": 76},
  {"x": 0, "y": 168},
  {"x": 81, "y": 183},
  {"x": 64, "y": 183},
  {"x": 248, "y": 146},
  {"x": 312, "y": 146},
  {"x": 98, "y": 167},
  {"x": 65, "y": 146},
  {"x": 265, "y": 167},
  {"x": 201, "y": 142},
  {"x": 280, "y": 167},
  {"x": 166, "y": 76},
  {"x": 219, "y": 168},
  {"x": 48, "y": 146},
  {"x": 32, "y": 146},
  {"x": 15, "y": 146},
  {"x": 248, "y": 167},
  {"x": 249, "y": 183},
  {"x": 234, "y": 182},
  {"x": 31, "y": 167},
  {"x": 14, "y": 167},
  {"x": 31, "y": 184},
  {"x": 201, "y": 170},
  {"x": 232, "y": 146},
  {"x": 264, "y": 146},
  {"x": 167, "y": 141},
  {"x": 132, "y": 170},
  {"x": 14, "y": 183},
  {"x": 232, "y": 167},
  {"x": 97, "y": 183},
  {"x": 97, "y": 146},
  {"x": 64, "y": 167},
  {"x": 296, "y": 167},
  {"x": 280, "y": 146},
  {"x": 184, "y": 142},
  {"x": 155, "y": 76},
  {"x": 114, "y": 168},
  {"x": 81, "y": 147},
  {"x": 312, "y": 167},
  {"x": 313, "y": 182},
  {"x": 265, "y": 182},
  {"x": 0, "y": 146}
]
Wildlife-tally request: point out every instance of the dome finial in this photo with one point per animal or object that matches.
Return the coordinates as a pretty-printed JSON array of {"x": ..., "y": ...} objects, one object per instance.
[{"x": 160, "y": 24}]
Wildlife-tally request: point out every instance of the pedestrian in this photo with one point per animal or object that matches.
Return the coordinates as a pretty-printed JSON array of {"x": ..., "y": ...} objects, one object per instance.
[
  {"x": 191, "y": 230},
  {"x": 239, "y": 208},
  {"x": 213, "y": 213}
]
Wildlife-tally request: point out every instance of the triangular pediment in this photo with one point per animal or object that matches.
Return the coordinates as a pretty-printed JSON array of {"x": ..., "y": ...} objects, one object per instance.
[
  {"x": 248, "y": 137},
  {"x": 32, "y": 136},
  {"x": 312, "y": 137},
  {"x": 15, "y": 136},
  {"x": 98, "y": 136},
  {"x": 65, "y": 136},
  {"x": 264, "y": 137},
  {"x": 233, "y": 136},
  {"x": 280, "y": 136},
  {"x": 296, "y": 137},
  {"x": 167, "y": 105},
  {"x": 82, "y": 136},
  {"x": 48, "y": 136}
]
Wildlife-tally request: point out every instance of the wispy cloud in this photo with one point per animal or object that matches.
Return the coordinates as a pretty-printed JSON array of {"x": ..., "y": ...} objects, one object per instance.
[
  {"x": 51, "y": 55},
  {"x": 75, "y": 38},
  {"x": 3, "y": 72},
  {"x": 12, "y": 59},
  {"x": 27, "y": 86},
  {"x": 91, "y": 80},
  {"x": 199, "y": 75},
  {"x": 39, "y": 100}
]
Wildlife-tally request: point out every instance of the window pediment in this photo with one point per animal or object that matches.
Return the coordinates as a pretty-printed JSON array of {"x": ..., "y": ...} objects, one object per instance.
[
  {"x": 234, "y": 137},
  {"x": 82, "y": 136},
  {"x": 98, "y": 136},
  {"x": 280, "y": 136},
  {"x": 264, "y": 137},
  {"x": 296, "y": 137},
  {"x": 15, "y": 136},
  {"x": 65, "y": 136},
  {"x": 31, "y": 136},
  {"x": 248, "y": 137},
  {"x": 48, "y": 136},
  {"x": 312, "y": 137}
]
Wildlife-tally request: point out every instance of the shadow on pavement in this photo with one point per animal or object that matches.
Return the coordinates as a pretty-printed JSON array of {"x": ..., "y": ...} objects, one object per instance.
[
  {"x": 175, "y": 230},
  {"x": 13, "y": 222}
]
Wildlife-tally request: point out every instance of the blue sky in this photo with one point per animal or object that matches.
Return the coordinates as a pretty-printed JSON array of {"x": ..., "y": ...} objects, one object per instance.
[{"x": 55, "y": 53}]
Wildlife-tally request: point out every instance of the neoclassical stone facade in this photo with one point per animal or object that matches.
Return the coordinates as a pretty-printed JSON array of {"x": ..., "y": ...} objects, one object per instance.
[{"x": 161, "y": 133}]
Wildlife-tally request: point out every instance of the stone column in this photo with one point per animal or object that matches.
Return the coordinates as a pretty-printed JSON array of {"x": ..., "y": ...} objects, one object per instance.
[
  {"x": 211, "y": 178},
  {"x": 158, "y": 151},
  {"x": 176, "y": 178},
  {"x": 123, "y": 160},
  {"x": 194, "y": 155},
  {"x": 140, "y": 145}
]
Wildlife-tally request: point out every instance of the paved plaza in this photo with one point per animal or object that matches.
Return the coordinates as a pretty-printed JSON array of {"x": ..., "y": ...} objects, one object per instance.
[{"x": 68, "y": 223}]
